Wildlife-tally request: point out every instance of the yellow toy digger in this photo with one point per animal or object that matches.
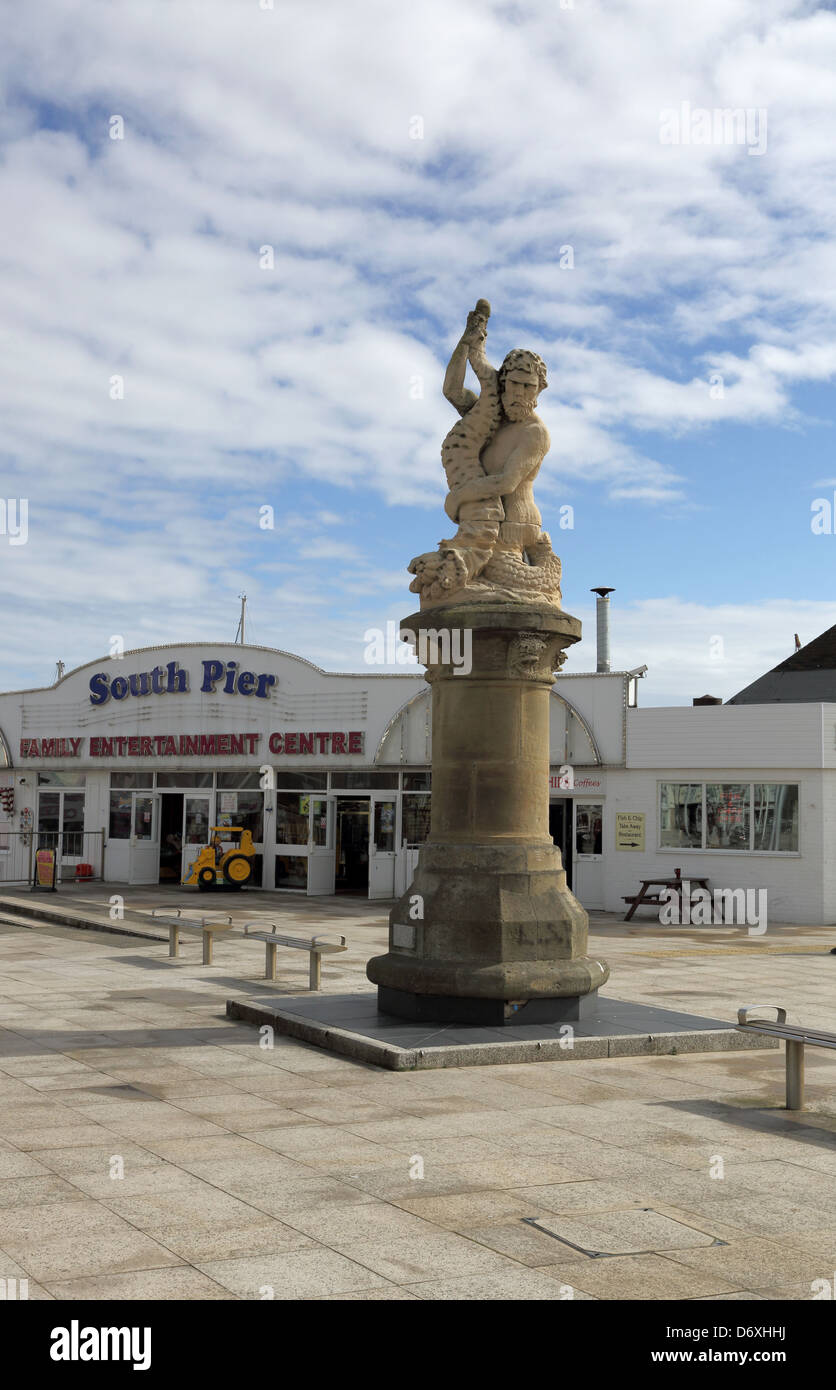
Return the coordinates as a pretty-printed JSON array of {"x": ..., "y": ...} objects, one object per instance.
[{"x": 216, "y": 867}]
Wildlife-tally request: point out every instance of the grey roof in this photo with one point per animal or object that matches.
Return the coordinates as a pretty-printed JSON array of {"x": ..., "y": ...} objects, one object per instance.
[{"x": 806, "y": 677}]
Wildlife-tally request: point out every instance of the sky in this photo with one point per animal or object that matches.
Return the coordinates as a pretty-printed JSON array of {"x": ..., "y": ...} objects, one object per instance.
[{"x": 240, "y": 240}]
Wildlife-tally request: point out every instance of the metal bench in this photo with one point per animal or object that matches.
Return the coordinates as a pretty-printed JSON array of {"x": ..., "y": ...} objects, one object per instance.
[
  {"x": 208, "y": 926},
  {"x": 318, "y": 946},
  {"x": 794, "y": 1037}
]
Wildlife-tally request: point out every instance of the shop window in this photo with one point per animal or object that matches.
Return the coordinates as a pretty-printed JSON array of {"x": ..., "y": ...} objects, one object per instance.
[
  {"x": 184, "y": 779},
  {"x": 292, "y": 818},
  {"x": 680, "y": 815},
  {"x": 245, "y": 808},
  {"x": 384, "y": 826},
  {"x": 727, "y": 815},
  {"x": 131, "y": 779},
  {"x": 367, "y": 781},
  {"x": 775, "y": 816},
  {"x": 291, "y": 871},
  {"x": 61, "y": 822},
  {"x": 417, "y": 781},
  {"x": 589, "y": 820},
  {"x": 319, "y": 822},
  {"x": 62, "y": 779},
  {"x": 120, "y": 815},
  {"x": 245, "y": 781},
  {"x": 416, "y": 818},
  {"x": 301, "y": 781}
]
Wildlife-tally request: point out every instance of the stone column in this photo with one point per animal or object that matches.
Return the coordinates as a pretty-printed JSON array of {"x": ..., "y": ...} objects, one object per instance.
[{"x": 488, "y": 931}]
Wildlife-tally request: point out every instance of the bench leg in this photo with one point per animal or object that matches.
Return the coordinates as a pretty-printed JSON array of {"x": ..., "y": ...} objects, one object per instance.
[
  {"x": 795, "y": 1075},
  {"x": 173, "y": 941},
  {"x": 315, "y": 977},
  {"x": 208, "y": 942},
  {"x": 270, "y": 961}
]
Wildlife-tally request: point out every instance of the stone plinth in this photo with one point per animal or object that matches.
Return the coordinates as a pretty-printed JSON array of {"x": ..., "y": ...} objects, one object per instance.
[{"x": 488, "y": 931}]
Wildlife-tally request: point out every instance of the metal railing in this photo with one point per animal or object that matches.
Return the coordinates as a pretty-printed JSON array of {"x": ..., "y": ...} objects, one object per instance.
[{"x": 79, "y": 854}]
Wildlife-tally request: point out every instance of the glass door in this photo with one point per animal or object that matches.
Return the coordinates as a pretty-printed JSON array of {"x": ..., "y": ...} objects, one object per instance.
[
  {"x": 589, "y": 853},
  {"x": 382, "y": 847},
  {"x": 61, "y": 826},
  {"x": 144, "y": 864},
  {"x": 322, "y": 854},
  {"x": 195, "y": 829}
]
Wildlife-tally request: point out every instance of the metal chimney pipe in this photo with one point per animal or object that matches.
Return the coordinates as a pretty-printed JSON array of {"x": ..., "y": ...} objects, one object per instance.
[{"x": 602, "y": 614}]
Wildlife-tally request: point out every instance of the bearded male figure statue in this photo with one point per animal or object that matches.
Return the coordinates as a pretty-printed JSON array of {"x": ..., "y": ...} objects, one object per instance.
[
  {"x": 488, "y": 931},
  {"x": 491, "y": 458}
]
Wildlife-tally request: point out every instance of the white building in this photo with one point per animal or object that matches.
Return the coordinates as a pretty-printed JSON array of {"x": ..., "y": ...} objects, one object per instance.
[{"x": 124, "y": 764}]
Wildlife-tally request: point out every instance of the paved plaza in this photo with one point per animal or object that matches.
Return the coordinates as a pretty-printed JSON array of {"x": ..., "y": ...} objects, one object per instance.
[{"x": 151, "y": 1148}]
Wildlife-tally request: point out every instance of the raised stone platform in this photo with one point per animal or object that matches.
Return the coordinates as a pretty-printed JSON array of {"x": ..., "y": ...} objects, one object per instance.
[{"x": 353, "y": 1026}]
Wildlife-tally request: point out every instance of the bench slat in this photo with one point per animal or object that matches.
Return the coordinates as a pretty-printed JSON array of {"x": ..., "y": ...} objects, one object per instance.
[{"x": 813, "y": 1036}]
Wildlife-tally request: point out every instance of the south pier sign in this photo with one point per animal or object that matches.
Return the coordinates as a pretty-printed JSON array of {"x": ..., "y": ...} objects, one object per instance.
[{"x": 217, "y": 678}]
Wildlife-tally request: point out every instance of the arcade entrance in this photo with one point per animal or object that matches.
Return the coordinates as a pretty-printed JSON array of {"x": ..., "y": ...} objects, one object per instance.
[{"x": 353, "y": 845}]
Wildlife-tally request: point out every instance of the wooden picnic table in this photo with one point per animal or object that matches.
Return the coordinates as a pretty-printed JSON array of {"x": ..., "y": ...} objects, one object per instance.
[{"x": 645, "y": 897}]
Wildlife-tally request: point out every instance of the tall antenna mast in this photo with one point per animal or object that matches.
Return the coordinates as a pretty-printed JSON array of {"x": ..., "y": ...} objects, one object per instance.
[
  {"x": 239, "y": 636},
  {"x": 59, "y": 671}
]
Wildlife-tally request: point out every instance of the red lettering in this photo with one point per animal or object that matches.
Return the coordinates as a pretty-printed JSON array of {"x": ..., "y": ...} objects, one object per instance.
[
  {"x": 236, "y": 743},
  {"x": 159, "y": 739},
  {"x": 207, "y": 744},
  {"x": 323, "y": 742},
  {"x": 76, "y": 742},
  {"x": 189, "y": 745},
  {"x": 133, "y": 747},
  {"x": 290, "y": 741},
  {"x": 170, "y": 747},
  {"x": 48, "y": 749},
  {"x": 145, "y": 750},
  {"x": 222, "y": 743},
  {"x": 253, "y": 741},
  {"x": 94, "y": 748},
  {"x": 355, "y": 743},
  {"x": 275, "y": 743},
  {"x": 121, "y": 748},
  {"x": 338, "y": 743},
  {"x": 306, "y": 743}
]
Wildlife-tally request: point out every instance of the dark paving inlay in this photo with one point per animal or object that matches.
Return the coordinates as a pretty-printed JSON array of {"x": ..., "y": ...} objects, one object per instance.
[{"x": 358, "y": 1013}]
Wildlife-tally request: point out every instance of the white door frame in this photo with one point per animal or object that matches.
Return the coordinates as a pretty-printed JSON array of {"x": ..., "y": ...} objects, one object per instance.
[
  {"x": 144, "y": 857},
  {"x": 382, "y": 861},
  {"x": 322, "y": 859}
]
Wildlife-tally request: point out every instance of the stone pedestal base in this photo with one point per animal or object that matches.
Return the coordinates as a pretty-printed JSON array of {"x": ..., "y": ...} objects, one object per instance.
[
  {"x": 441, "y": 1008},
  {"x": 488, "y": 931},
  {"x": 501, "y": 939}
]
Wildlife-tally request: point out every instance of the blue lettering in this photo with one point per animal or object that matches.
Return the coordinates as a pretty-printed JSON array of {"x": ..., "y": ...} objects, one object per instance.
[
  {"x": 212, "y": 672},
  {"x": 99, "y": 693},
  {"x": 119, "y": 688}
]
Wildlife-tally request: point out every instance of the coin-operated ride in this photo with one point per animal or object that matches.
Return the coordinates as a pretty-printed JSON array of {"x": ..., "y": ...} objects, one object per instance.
[{"x": 226, "y": 862}]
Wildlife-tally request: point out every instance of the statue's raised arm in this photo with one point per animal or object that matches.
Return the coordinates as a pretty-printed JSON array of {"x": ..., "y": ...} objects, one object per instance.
[{"x": 491, "y": 457}]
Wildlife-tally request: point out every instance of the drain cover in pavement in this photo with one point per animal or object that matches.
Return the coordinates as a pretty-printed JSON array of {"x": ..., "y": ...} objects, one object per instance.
[{"x": 602, "y": 1234}]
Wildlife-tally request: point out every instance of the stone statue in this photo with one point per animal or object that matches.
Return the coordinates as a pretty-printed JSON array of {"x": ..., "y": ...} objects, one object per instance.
[{"x": 491, "y": 458}]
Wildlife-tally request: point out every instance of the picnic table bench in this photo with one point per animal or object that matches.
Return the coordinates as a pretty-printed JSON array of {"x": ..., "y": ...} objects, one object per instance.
[
  {"x": 208, "y": 925},
  {"x": 646, "y": 898},
  {"x": 317, "y": 946},
  {"x": 795, "y": 1038}
]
